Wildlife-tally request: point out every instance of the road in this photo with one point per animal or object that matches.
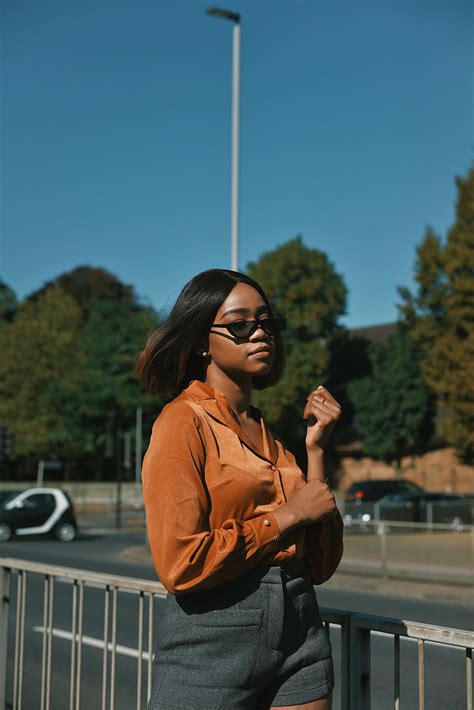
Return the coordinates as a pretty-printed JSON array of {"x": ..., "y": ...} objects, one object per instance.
[{"x": 103, "y": 551}]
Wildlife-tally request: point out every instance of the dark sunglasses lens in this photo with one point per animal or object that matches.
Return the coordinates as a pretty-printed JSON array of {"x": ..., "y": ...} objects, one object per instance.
[
  {"x": 272, "y": 325},
  {"x": 241, "y": 328}
]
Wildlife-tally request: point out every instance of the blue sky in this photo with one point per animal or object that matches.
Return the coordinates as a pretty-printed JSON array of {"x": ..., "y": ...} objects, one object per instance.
[{"x": 115, "y": 138}]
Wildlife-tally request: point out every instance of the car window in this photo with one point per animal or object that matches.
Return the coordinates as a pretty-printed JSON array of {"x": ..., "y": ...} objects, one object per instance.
[
  {"x": 39, "y": 500},
  {"x": 391, "y": 498},
  {"x": 400, "y": 497}
]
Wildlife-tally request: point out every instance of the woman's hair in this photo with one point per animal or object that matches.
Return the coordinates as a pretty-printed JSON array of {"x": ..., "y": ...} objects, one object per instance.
[{"x": 169, "y": 360}]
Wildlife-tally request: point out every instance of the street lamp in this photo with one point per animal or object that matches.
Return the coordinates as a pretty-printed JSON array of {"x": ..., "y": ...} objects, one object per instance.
[{"x": 235, "y": 18}]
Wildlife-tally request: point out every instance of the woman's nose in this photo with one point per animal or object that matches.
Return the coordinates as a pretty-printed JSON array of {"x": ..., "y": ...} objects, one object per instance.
[{"x": 259, "y": 331}]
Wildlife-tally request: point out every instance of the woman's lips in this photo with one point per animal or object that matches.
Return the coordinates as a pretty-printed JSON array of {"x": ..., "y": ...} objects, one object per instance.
[{"x": 261, "y": 353}]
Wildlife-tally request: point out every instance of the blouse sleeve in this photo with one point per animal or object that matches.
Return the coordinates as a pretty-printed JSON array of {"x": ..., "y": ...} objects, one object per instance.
[
  {"x": 188, "y": 555},
  {"x": 324, "y": 547}
]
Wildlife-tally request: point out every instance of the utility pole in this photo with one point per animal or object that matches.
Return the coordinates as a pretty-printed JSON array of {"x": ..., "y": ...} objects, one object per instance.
[
  {"x": 138, "y": 454},
  {"x": 118, "y": 474},
  {"x": 235, "y": 202}
]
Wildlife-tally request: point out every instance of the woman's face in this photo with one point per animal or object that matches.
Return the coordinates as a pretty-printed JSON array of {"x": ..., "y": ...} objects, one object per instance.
[{"x": 251, "y": 356}]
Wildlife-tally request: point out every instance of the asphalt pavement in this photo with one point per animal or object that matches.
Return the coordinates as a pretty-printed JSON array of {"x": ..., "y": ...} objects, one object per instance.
[{"x": 104, "y": 548}]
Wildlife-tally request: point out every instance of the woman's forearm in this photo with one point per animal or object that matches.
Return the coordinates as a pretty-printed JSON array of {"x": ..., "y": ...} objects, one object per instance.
[
  {"x": 315, "y": 464},
  {"x": 286, "y": 515}
]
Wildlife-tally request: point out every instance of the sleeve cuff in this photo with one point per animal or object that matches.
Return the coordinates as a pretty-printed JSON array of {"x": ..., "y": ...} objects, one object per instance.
[{"x": 266, "y": 530}]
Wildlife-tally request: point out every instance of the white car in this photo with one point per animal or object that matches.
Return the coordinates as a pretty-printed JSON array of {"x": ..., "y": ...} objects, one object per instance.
[{"x": 37, "y": 511}]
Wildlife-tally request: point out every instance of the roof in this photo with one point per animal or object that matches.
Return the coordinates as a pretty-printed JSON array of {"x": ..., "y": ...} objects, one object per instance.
[{"x": 375, "y": 333}]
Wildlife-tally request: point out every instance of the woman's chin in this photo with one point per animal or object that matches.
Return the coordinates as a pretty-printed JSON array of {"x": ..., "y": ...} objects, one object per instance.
[{"x": 262, "y": 368}]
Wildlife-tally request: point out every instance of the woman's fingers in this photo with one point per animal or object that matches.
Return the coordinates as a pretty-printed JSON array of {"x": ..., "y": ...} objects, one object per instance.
[
  {"x": 329, "y": 407},
  {"x": 325, "y": 398},
  {"x": 322, "y": 414}
]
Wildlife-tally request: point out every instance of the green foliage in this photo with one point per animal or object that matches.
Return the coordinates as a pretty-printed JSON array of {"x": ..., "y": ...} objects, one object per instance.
[
  {"x": 349, "y": 361},
  {"x": 111, "y": 336},
  {"x": 66, "y": 369},
  {"x": 303, "y": 286},
  {"x": 39, "y": 375},
  {"x": 394, "y": 406},
  {"x": 87, "y": 284},
  {"x": 8, "y": 304},
  {"x": 440, "y": 317}
]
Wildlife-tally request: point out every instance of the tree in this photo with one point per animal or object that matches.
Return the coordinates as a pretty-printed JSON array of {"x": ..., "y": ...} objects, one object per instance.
[
  {"x": 304, "y": 287},
  {"x": 440, "y": 317},
  {"x": 87, "y": 284},
  {"x": 394, "y": 407},
  {"x": 39, "y": 376},
  {"x": 66, "y": 370},
  {"x": 349, "y": 361},
  {"x": 110, "y": 339},
  {"x": 8, "y": 304},
  {"x": 114, "y": 328}
]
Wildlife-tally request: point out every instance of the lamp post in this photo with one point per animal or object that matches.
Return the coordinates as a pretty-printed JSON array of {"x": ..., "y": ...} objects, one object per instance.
[{"x": 235, "y": 18}]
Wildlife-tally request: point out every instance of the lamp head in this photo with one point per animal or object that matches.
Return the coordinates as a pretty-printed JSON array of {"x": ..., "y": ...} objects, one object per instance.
[{"x": 225, "y": 14}]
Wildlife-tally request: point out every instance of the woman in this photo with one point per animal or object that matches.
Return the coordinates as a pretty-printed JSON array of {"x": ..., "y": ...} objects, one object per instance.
[{"x": 238, "y": 534}]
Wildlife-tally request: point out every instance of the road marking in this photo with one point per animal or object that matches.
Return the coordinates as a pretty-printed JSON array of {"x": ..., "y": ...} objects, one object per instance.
[{"x": 95, "y": 643}]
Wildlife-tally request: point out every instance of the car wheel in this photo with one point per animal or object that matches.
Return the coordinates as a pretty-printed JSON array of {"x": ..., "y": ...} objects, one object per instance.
[
  {"x": 5, "y": 532},
  {"x": 65, "y": 532}
]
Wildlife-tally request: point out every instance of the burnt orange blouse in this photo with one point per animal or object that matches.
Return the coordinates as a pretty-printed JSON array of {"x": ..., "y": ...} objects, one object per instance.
[{"x": 209, "y": 493}]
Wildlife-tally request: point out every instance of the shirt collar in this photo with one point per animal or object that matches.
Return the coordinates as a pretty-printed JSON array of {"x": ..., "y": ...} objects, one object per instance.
[{"x": 215, "y": 404}]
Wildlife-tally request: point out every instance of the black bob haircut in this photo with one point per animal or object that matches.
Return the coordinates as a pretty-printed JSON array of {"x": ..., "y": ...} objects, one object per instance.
[{"x": 169, "y": 360}]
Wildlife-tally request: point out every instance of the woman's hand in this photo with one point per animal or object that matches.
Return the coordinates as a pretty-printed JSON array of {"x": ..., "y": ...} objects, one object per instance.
[
  {"x": 323, "y": 412},
  {"x": 309, "y": 504}
]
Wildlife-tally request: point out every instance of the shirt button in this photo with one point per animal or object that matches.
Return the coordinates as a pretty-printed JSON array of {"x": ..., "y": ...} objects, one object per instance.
[
  {"x": 278, "y": 501},
  {"x": 274, "y": 468},
  {"x": 266, "y": 521}
]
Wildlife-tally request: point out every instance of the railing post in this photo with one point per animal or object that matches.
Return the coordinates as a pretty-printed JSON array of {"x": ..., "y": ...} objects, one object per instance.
[
  {"x": 345, "y": 663},
  {"x": 381, "y": 531},
  {"x": 376, "y": 512},
  {"x": 472, "y": 545},
  {"x": 359, "y": 666},
  {"x": 429, "y": 515},
  {"x": 4, "y": 613}
]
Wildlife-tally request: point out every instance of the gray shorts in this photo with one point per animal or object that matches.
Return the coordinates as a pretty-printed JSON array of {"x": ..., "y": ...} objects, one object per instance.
[{"x": 247, "y": 644}]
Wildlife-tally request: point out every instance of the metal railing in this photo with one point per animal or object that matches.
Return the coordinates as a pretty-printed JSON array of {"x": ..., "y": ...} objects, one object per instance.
[
  {"x": 409, "y": 551},
  {"x": 454, "y": 514},
  {"x": 19, "y": 621}
]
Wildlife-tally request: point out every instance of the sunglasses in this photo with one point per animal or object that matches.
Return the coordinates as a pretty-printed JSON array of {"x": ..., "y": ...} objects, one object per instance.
[{"x": 246, "y": 328}]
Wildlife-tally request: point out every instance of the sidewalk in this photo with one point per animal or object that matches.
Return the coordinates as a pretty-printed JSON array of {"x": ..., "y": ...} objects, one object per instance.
[{"x": 105, "y": 522}]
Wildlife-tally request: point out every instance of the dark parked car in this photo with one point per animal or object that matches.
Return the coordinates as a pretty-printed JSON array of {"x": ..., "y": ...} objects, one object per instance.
[
  {"x": 426, "y": 507},
  {"x": 375, "y": 489},
  {"x": 37, "y": 511},
  {"x": 361, "y": 500}
]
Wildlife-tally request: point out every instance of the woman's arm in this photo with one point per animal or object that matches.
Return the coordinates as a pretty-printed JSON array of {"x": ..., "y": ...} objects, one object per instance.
[
  {"x": 324, "y": 539},
  {"x": 315, "y": 464},
  {"x": 324, "y": 547},
  {"x": 188, "y": 555}
]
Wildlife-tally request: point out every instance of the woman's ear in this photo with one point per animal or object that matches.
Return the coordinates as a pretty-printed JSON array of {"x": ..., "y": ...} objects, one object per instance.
[{"x": 202, "y": 347}]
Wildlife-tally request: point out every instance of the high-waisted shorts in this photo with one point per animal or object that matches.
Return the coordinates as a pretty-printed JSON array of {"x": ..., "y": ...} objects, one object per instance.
[{"x": 247, "y": 644}]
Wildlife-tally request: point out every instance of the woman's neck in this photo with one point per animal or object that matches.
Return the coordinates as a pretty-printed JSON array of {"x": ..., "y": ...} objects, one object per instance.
[{"x": 237, "y": 395}]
